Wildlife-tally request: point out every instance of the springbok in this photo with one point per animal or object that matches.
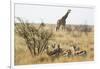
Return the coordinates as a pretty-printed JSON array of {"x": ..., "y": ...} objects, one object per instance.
[
  {"x": 81, "y": 53},
  {"x": 55, "y": 52}
]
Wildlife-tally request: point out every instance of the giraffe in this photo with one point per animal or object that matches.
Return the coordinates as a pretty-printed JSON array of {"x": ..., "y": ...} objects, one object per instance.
[{"x": 62, "y": 21}]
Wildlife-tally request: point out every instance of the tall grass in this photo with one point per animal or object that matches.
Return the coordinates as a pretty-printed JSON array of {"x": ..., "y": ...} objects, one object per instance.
[{"x": 36, "y": 38}]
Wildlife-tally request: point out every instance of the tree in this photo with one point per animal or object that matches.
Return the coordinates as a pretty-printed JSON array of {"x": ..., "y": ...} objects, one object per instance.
[{"x": 37, "y": 39}]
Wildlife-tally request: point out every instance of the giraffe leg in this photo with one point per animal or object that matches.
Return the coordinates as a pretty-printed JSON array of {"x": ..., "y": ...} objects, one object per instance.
[
  {"x": 57, "y": 28},
  {"x": 63, "y": 28}
]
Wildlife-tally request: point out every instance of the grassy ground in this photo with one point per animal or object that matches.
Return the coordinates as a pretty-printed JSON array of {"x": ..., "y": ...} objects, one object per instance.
[{"x": 64, "y": 38}]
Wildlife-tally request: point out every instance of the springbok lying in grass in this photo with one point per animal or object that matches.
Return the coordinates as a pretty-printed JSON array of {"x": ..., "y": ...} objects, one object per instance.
[
  {"x": 55, "y": 52},
  {"x": 81, "y": 53},
  {"x": 67, "y": 53},
  {"x": 70, "y": 51},
  {"x": 74, "y": 51}
]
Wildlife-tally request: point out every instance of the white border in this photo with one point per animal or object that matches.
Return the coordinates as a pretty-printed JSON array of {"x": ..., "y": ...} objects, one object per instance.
[
  {"x": 12, "y": 34},
  {"x": 42, "y": 65}
]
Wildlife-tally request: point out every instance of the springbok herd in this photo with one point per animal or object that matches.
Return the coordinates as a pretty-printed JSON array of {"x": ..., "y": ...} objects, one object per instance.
[{"x": 71, "y": 51}]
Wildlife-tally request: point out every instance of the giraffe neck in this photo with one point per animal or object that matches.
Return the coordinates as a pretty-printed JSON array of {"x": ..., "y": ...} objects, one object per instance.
[{"x": 65, "y": 16}]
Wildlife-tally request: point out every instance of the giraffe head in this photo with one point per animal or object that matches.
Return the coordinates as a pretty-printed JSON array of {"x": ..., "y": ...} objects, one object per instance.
[{"x": 69, "y": 10}]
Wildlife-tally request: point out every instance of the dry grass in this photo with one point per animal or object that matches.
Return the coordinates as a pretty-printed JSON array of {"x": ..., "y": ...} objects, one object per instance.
[{"x": 65, "y": 38}]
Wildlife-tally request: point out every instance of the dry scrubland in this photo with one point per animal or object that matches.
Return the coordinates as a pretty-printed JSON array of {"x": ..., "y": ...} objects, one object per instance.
[{"x": 85, "y": 40}]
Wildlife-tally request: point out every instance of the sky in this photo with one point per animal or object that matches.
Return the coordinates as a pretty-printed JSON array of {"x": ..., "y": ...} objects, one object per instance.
[{"x": 50, "y": 14}]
